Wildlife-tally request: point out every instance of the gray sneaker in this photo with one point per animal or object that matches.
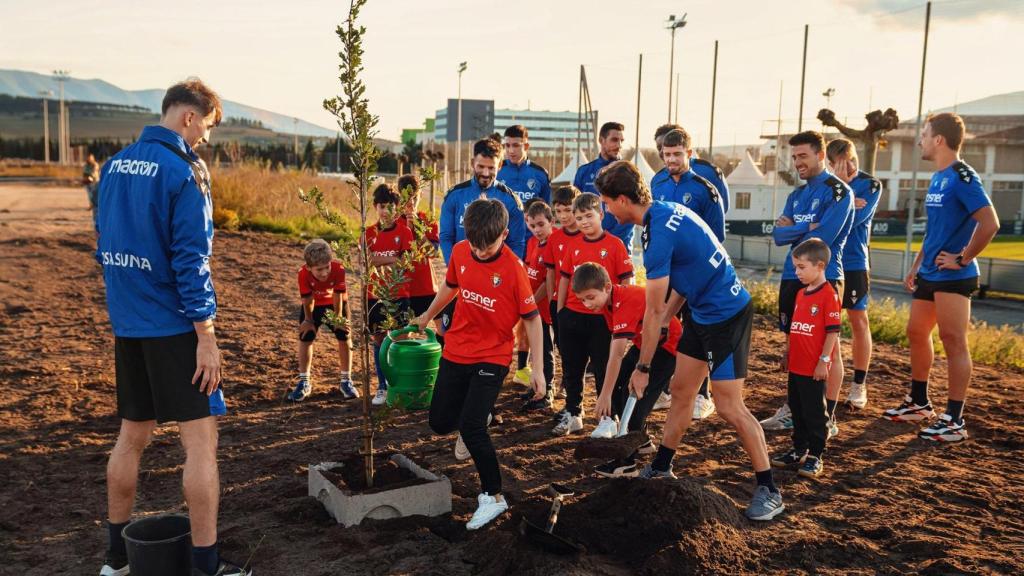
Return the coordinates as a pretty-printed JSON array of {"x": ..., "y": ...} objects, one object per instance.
[
  {"x": 765, "y": 504},
  {"x": 649, "y": 473}
]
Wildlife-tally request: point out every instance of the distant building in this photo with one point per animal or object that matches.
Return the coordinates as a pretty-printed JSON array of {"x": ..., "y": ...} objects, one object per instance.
[
  {"x": 413, "y": 136},
  {"x": 549, "y": 131}
]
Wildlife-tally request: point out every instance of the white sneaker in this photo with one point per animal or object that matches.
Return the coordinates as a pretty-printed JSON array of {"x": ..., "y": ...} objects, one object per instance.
[
  {"x": 858, "y": 397},
  {"x": 664, "y": 401},
  {"x": 461, "y": 452},
  {"x": 488, "y": 508},
  {"x": 781, "y": 420},
  {"x": 703, "y": 407},
  {"x": 606, "y": 428},
  {"x": 567, "y": 425},
  {"x": 380, "y": 398},
  {"x": 832, "y": 427}
]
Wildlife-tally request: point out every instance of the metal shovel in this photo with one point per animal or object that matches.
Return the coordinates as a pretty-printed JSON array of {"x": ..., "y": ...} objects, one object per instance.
[
  {"x": 627, "y": 414},
  {"x": 545, "y": 537}
]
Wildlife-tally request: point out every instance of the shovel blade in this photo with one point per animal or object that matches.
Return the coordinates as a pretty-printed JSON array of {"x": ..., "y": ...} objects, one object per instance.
[{"x": 546, "y": 540}]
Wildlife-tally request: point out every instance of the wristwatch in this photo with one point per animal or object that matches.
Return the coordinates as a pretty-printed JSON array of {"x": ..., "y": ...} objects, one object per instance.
[
  {"x": 825, "y": 359},
  {"x": 959, "y": 260},
  {"x": 643, "y": 368}
]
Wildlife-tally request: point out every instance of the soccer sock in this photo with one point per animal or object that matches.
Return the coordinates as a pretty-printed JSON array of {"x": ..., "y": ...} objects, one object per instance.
[
  {"x": 830, "y": 407},
  {"x": 346, "y": 376},
  {"x": 523, "y": 357},
  {"x": 859, "y": 376},
  {"x": 765, "y": 478},
  {"x": 382, "y": 382},
  {"x": 704, "y": 388},
  {"x": 206, "y": 558},
  {"x": 663, "y": 459},
  {"x": 304, "y": 376},
  {"x": 919, "y": 392},
  {"x": 116, "y": 539},
  {"x": 955, "y": 409}
]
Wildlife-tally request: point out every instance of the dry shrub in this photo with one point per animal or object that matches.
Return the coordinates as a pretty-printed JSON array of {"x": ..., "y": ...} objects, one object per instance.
[
  {"x": 225, "y": 218},
  {"x": 256, "y": 190}
]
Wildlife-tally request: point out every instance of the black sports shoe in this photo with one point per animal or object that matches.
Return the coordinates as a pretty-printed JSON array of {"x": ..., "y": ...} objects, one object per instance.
[
  {"x": 114, "y": 565},
  {"x": 225, "y": 568},
  {"x": 535, "y": 405},
  {"x": 788, "y": 459},
  {"x": 617, "y": 469},
  {"x": 812, "y": 468}
]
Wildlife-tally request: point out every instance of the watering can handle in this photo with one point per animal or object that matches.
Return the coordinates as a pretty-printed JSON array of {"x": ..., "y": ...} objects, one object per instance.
[{"x": 431, "y": 336}]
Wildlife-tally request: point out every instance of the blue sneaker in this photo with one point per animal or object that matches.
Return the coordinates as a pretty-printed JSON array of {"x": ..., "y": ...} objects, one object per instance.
[
  {"x": 765, "y": 504},
  {"x": 302, "y": 390},
  {"x": 651, "y": 473},
  {"x": 348, "y": 389}
]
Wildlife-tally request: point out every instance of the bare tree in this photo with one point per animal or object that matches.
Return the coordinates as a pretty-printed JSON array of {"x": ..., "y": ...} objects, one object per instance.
[{"x": 870, "y": 136}]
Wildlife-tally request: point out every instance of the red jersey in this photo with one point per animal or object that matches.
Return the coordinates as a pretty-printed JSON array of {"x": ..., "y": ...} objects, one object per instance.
[
  {"x": 625, "y": 317},
  {"x": 816, "y": 314},
  {"x": 322, "y": 291},
  {"x": 493, "y": 295},
  {"x": 537, "y": 270},
  {"x": 421, "y": 281},
  {"x": 607, "y": 250},
  {"x": 389, "y": 242},
  {"x": 555, "y": 247}
]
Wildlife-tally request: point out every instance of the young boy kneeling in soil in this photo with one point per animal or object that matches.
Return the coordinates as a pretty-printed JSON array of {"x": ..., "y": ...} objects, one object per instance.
[
  {"x": 538, "y": 220},
  {"x": 623, "y": 307},
  {"x": 814, "y": 332},
  {"x": 322, "y": 289},
  {"x": 583, "y": 335},
  {"x": 493, "y": 294},
  {"x": 386, "y": 241}
]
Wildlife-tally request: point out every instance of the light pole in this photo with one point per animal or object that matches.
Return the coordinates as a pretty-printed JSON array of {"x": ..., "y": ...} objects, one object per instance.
[
  {"x": 46, "y": 94},
  {"x": 458, "y": 125},
  {"x": 62, "y": 76},
  {"x": 672, "y": 24}
]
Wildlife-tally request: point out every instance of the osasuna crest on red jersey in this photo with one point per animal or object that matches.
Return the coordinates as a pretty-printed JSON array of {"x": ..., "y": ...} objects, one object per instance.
[
  {"x": 495, "y": 280},
  {"x": 604, "y": 253},
  {"x": 814, "y": 309}
]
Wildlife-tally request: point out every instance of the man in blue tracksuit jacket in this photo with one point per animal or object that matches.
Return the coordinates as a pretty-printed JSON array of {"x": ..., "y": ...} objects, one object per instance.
[
  {"x": 822, "y": 208},
  {"x": 527, "y": 179},
  {"x": 707, "y": 170},
  {"x": 680, "y": 184},
  {"x": 610, "y": 138},
  {"x": 155, "y": 240}
]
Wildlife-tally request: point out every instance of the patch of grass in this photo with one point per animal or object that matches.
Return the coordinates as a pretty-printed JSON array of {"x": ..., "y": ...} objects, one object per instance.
[
  {"x": 33, "y": 169},
  {"x": 299, "y": 227},
  {"x": 1009, "y": 247},
  {"x": 992, "y": 345}
]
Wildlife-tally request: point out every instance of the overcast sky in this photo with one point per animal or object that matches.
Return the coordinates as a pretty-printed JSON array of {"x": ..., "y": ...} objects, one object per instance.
[{"x": 282, "y": 56}]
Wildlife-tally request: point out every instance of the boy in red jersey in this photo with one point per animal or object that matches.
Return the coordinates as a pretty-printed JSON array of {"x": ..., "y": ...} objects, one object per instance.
[
  {"x": 814, "y": 332},
  {"x": 386, "y": 241},
  {"x": 322, "y": 288},
  {"x": 582, "y": 333},
  {"x": 422, "y": 287},
  {"x": 623, "y": 307},
  {"x": 539, "y": 220},
  {"x": 561, "y": 204},
  {"x": 494, "y": 293}
]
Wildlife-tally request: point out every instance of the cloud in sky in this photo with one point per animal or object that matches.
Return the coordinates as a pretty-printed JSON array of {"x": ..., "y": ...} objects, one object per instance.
[{"x": 910, "y": 13}]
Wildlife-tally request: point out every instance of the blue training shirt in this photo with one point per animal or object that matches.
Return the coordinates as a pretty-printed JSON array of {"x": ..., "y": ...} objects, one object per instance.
[
  {"x": 712, "y": 173},
  {"x": 450, "y": 229},
  {"x": 856, "y": 251},
  {"x": 827, "y": 201},
  {"x": 678, "y": 244},
  {"x": 954, "y": 195},
  {"x": 584, "y": 180},
  {"x": 694, "y": 192},
  {"x": 528, "y": 180}
]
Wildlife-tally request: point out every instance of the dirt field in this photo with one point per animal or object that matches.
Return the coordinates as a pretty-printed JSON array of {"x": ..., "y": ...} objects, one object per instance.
[{"x": 887, "y": 504}]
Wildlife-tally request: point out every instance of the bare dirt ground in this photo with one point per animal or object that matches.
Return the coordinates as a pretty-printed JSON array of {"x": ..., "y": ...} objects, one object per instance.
[{"x": 888, "y": 503}]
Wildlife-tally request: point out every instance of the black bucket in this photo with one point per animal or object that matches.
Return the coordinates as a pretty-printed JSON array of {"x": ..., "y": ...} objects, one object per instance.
[{"x": 160, "y": 546}]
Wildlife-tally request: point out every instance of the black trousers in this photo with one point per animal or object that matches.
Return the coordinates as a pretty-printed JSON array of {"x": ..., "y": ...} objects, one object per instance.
[
  {"x": 582, "y": 338},
  {"x": 663, "y": 365},
  {"x": 464, "y": 395},
  {"x": 549, "y": 356},
  {"x": 810, "y": 416}
]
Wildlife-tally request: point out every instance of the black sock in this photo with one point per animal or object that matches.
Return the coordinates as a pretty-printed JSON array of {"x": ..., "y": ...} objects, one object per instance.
[
  {"x": 859, "y": 376},
  {"x": 704, "y": 388},
  {"x": 117, "y": 540},
  {"x": 663, "y": 459},
  {"x": 523, "y": 357},
  {"x": 830, "y": 407},
  {"x": 206, "y": 558},
  {"x": 764, "y": 478},
  {"x": 955, "y": 409},
  {"x": 919, "y": 392}
]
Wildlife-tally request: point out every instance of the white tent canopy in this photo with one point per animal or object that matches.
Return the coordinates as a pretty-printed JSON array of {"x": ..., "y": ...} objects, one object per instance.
[
  {"x": 569, "y": 173},
  {"x": 646, "y": 172},
  {"x": 747, "y": 173}
]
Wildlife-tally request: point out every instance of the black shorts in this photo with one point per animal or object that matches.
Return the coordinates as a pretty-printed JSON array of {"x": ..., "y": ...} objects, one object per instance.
[
  {"x": 926, "y": 289},
  {"x": 856, "y": 286},
  {"x": 154, "y": 380},
  {"x": 420, "y": 304},
  {"x": 378, "y": 314},
  {"x": 724, "y": 345},
  {"x": 319, "y": 318},
  {"x": 788, "y": 290}
]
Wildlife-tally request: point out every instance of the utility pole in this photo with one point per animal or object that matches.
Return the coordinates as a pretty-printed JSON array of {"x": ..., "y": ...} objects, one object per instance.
[
  {"x": 778, "y": 156},
  {"x": 639, "y": 81},
  {"x": 295, "y": 144},
  {"x": 677, "y": 98},
  {"x": 46, "y": 94},
  {"x": 917, "y": 134},
  {"x": 714, "y": 83},
  {"x": 458, "y": 129},
  {"x": 672, "y": 24},
  {"x": 61, "y": 76},
  {"x": 803, "y": 76}
]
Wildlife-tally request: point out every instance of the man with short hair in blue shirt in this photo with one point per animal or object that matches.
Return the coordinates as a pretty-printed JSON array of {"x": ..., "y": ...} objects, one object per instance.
[
  {"x": 683, "y": 259},
  {"x": 707, "y": 170},
  {"x": 822, "y": 208},
  {"x": 842, "y": 157},
  {"x": 610, "y": 139},
  {"x": 526, "y": 178},
  {"x": 961, "y": 223}
]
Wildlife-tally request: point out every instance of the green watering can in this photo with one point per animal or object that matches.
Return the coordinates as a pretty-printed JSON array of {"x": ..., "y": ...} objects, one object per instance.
[{"x": 410, "y": 367}]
